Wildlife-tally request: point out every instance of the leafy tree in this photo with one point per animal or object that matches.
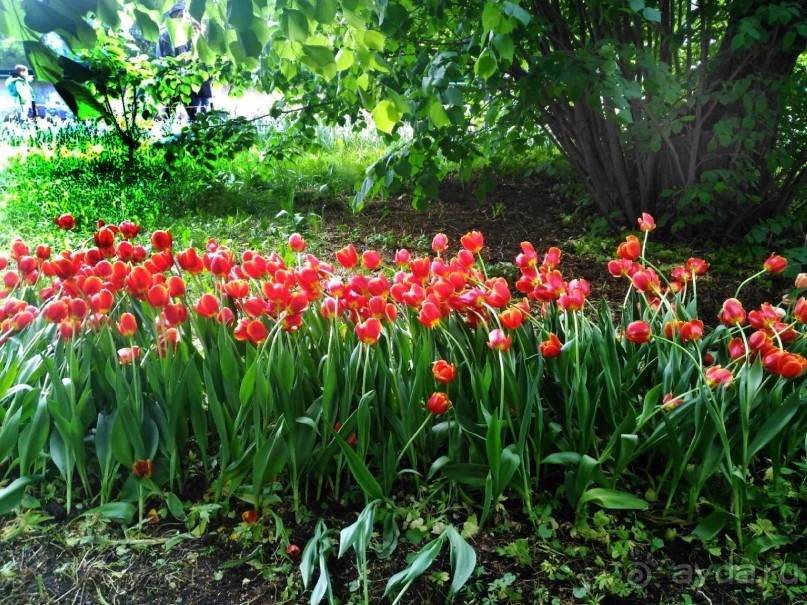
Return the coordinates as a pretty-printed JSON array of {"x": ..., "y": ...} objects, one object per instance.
[{"x": 693, "y": 111}]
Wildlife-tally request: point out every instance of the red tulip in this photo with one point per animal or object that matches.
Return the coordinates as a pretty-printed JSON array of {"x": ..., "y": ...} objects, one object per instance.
[
  {"x": 646, "y": 280},
  {"x": 512, "y": 317},
  {"x": 207, "y": 305},
  {"x": 647, "y": 222},
  {"x": 638, "y": 332},
  {"x": 670, "y": 402},
  {"x": 127, "y": 326},
  {"x": 369, "y": 331},
  {"x": 68, "y": 329},
  {"x": 438, "y": 403},
  {"x": 371, "y": 260},
  {"x": 800, "y": 311},
  {"x": 249, "y": 516},
  {"x": 551, "y": 258},
  {"x": 736, "y": 348},
  {"x": 717, "y": 376},
  {"x": 347, "y": 257},
  {"x": 630, "y": 249},
  {"x": 128, "y": 355},
  {"x": 296, "y": 242},
  {"x": 698, "y": 266},
  {"x": 402, "y": 257},
  {"x": 65, "y": 221},
  {"x": 169, "y": 337},
  {"x": 733, "y": 313},
  {"x": 176, "y": 286},
  {"x": 237, "y": 289},
  {"x": 293, "y": 551},
  {"x": 691, "y": 330},
  {"x": 55, "y": 311},
  {"x": 143, "y": 468},
  {"x": 473, "y": 242},
  {"x": 129, "y": 230},
  {"x": 158, "y": 296},
  {"x": 102, "y": 302},
  {"x": 104, "y": 237},
  {"x": 42, "y": 252},
  {"x": 190, "y": 261},
  {"x": 430, "y": 315},
  {"x": 175, "y": 314},
  {"x": 257, "y": 332},
  {"x": 444, "y": 372},
  {"x": 551, "y": 347},
  {"x": 775, "y": 264},
  {"x": 497, "y": 341},
  {"x": 162, "y": 240},
  {"x": 440, "y": 243}
]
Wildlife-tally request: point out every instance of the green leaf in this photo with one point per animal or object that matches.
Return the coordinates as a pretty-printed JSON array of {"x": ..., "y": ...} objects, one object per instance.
[
  {"x": 463, "y": 559},
  {"x": 344, "y": 59},
  {"x": 652, "y": 14},
  {"x": 322, "y": 56},
  {"x": 491, "y": 16},
  {"x": 325, "y": 11},
  {"x": 438, "y": 115},
  {"x": 613, "y": 499},
  {"x": 512, "y": 9},
  {"x": 386, "y": 116},
  {"x": 360, "y": 472},
  {"x": 419, "y": 564},
  {"x": 485, "y": 65},
  {"x": 295, "y": 23},
  {"x": 175, "y": 506},
  {"x": 374, "y": 40},
  {"x": 11, "y": 495},
  {"x": 122, "y": 512},
  {"x": 775, "y": 423},
  {"x": 711, "y": 525},
  {"x": 149, "y": 23}
]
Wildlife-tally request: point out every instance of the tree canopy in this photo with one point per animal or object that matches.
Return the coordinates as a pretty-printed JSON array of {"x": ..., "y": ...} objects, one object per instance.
[{"x": 691, "y": 110}]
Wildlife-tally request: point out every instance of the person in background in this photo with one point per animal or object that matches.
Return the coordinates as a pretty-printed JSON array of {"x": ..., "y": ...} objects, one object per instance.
[
  {"x": 201, "y": 99},
  {"x": 19, "y": 87}
]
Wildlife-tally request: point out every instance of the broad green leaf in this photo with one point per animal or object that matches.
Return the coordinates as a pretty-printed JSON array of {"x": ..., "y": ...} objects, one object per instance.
[
  {"x": 320, "y": 55},
  {"x": 386, "y": 116},
  {"x": 613, "y": 499},
  {"x": 175, "y": 506},
  {"x": 462, "y": 557},
  {"x": 485, "y": 66},
  {"x": 148, "y": 22},
  {"x": 295, "y": 24},
  {"x": 438, "y": 115},
  {"x": 491, "y": 16},
  {"x": 711, "y": 525},
  {"x": 512, "y": 9},
  {"x": 344, "y": 59},
  {"x": 415, "y": 569},
  {"x": 122, "y": 512},
  {"x": 374, "y": 40},
  {"x": 325, "y": 11},
  {"x": 652, "y": 14},
  {"x": 775, "y": 423},
  {"x": 11, "y": 495}
]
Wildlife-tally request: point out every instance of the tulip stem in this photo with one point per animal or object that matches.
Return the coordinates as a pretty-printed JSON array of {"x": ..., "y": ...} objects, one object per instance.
[
  {"x": 750, "y": 279},
  {"x": 411, "y": 440}
]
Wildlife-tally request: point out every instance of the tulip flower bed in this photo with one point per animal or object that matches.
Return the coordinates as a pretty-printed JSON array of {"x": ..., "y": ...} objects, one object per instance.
[{"x": 130, "y": 367}]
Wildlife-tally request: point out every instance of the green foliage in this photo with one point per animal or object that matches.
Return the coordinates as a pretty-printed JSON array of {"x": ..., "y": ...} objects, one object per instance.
[{"x": 90, "y": 176}]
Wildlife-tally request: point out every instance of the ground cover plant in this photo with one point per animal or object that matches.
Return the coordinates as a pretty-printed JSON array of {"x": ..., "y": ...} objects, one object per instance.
[{"x": 132, "y": 370}]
